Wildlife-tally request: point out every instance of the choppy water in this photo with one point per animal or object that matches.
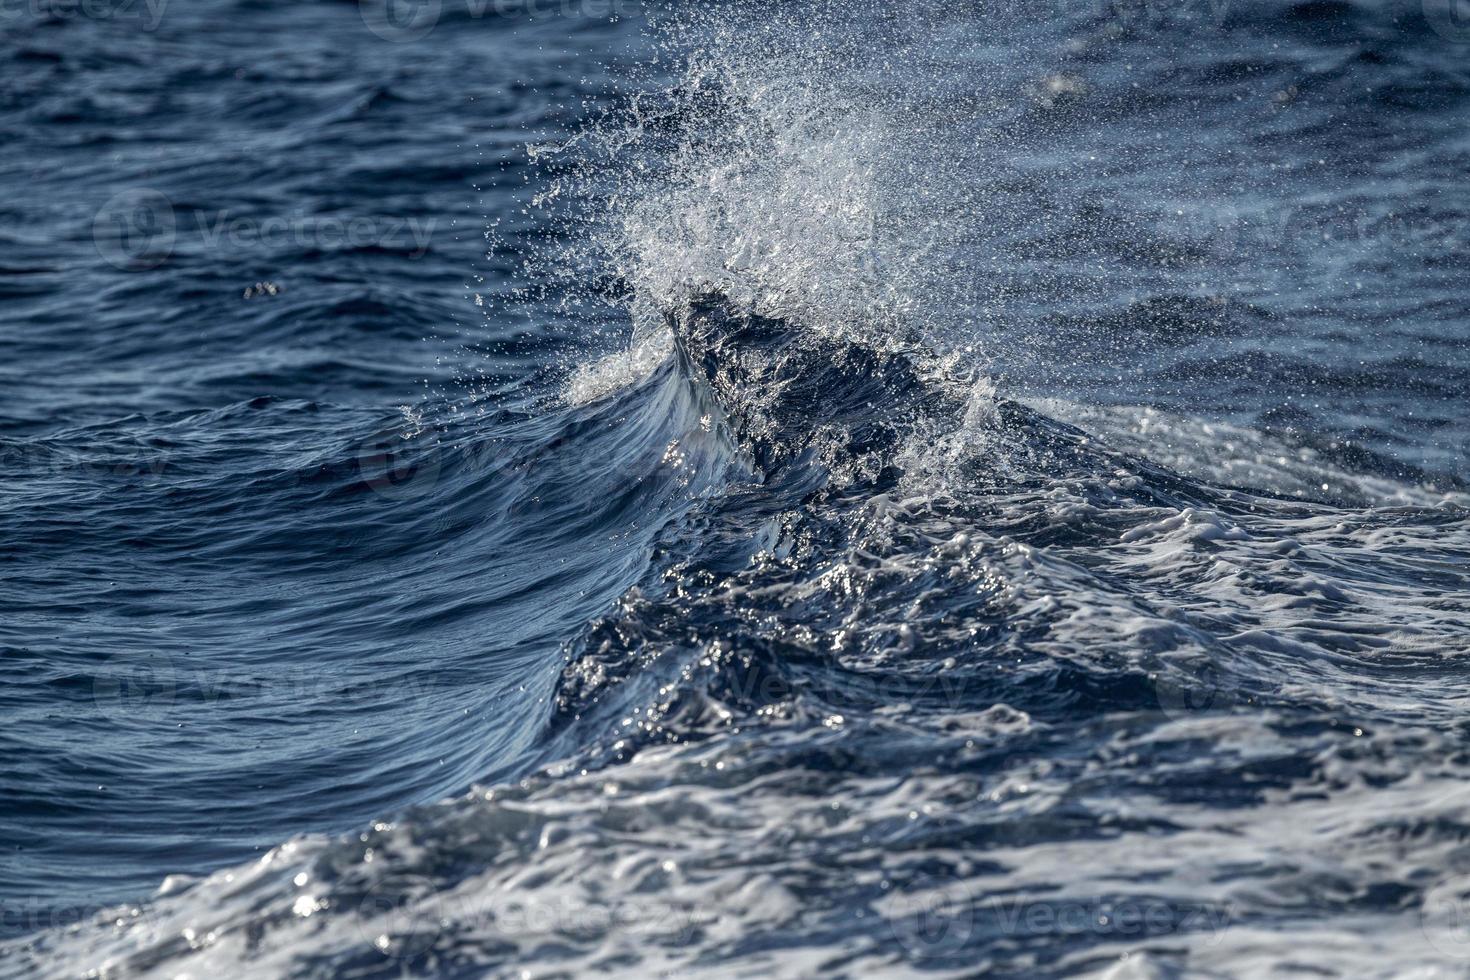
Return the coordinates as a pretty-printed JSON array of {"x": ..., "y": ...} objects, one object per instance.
[{"x": 523, "y": 489}]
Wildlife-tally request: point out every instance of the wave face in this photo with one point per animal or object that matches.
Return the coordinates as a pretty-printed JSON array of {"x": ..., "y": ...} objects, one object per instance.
[{"x": 897, "y": 497}]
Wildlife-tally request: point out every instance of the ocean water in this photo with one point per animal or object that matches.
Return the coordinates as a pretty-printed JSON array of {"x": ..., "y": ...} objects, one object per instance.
[{"x": 526, "y": 488}]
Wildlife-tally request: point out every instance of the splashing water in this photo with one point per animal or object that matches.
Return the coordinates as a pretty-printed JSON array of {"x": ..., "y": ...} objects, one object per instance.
[{"x": 776, "y": 160}]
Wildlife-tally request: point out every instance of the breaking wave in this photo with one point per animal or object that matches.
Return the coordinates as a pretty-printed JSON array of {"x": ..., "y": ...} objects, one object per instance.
[{"x": 894, "y": 654}]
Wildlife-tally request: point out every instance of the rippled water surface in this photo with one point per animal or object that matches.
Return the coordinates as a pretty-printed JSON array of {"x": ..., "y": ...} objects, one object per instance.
[{"x": 525, "y": 489}]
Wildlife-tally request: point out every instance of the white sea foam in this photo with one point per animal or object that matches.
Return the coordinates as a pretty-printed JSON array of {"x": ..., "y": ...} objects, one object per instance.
[
  {"x": 617, "y": 370},
  {"x": 778, "y": 156}
]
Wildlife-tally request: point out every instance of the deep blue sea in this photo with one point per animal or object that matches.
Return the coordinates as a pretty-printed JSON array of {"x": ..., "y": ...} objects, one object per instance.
[{"x": 542, "y": 488}]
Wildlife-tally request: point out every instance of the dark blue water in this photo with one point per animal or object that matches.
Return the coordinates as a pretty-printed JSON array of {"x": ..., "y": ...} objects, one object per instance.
[{"x": 522, "y": 488}]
